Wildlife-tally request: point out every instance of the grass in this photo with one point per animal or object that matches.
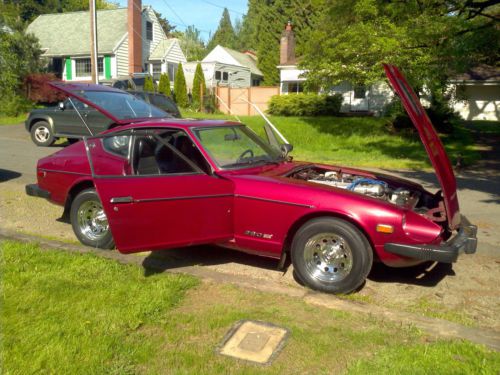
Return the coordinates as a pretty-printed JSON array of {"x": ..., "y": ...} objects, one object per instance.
[
  {"x": 484, "y": 127},
  {"x": 12, "y": 120},
  {"x": 74, "y": 313},
  {"x": 357, "y": 141}
]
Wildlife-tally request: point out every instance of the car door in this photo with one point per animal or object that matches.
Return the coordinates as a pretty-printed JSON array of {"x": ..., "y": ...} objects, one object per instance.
[
  {"x": 154, "y": 196},
  {"x": 66, "y": 119}
]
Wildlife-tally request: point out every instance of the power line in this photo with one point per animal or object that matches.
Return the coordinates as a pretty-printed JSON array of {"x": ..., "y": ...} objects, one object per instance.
[{"x": 223, "y": 7}]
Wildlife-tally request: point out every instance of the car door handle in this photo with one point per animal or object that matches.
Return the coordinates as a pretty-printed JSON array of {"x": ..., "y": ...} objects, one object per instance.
[{"x": 121, "y": 200}]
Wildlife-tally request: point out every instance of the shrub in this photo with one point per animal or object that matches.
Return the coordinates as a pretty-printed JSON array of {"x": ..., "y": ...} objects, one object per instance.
[
  {"x": 198, "y": 81},
  {"x": 164, "y": 85},
  {"x": 148, "y": 84},
  {"x": 305, "y": 105},
  {"x": 14, "y": 105},
  {"x": 180, "y": 90},
  {"x": 38, "y": 90}
]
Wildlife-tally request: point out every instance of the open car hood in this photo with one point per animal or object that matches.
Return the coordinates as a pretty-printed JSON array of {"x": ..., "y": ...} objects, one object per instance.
[
  {"x": 78, "y": 91},
  {"x": 431, "y": 141}
]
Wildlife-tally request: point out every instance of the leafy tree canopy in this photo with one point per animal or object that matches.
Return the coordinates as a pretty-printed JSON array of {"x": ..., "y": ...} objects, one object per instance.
[
  {"x": 180, "y": 90},
  {"x": 199, "y": 86},
  {"x": 224, "y": 35},
  {"x": 191, "y": 43},
  {"x": 430, "y": 40},
  {"x": 168, "y": 28}
]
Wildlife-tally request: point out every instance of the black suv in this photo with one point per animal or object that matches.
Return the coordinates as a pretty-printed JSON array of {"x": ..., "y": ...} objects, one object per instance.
[{"x": 46, "y": 125}]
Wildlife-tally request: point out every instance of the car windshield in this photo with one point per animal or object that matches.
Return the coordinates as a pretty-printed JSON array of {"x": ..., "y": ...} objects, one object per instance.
[
  {"x": 236, "y": 146},
  {"x": 122, "y": 105}
]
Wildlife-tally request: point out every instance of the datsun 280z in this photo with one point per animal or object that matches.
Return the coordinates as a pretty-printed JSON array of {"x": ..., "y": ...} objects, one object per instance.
[{"x": 159, "y": 183}]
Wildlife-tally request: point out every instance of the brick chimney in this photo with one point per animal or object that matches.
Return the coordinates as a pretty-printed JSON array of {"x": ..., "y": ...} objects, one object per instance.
[
  {"x": 134, "y": 19},
  {"x": 287, "y": 46}
]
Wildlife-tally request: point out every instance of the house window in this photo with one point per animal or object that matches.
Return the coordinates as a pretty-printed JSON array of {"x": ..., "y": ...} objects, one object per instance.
[
  {"x": 295, "y": 87},
  {"x": 172, "y": 70},
  {"x": 225, "y": 76},
  {"x": 218, "y": 75},
  {"x": 360, "y": 92},
  {"x": 255, "y": 82},
  {"x": 156, "y": 71},
  {"x": 83, "y": 67},
  {"x": 149, "y": 30}
]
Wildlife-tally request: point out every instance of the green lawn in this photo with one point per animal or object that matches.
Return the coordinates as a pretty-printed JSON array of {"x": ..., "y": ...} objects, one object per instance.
[
  {"x": 12, "y": 120},
  {"x": 68, "y": 313},
  {"x": 357, "y": 141}
]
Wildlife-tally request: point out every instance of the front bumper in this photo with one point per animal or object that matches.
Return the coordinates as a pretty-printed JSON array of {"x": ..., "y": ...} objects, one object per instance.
[
  {"x": 464, "y": 241},
  {"x": 35, "y": 191}
]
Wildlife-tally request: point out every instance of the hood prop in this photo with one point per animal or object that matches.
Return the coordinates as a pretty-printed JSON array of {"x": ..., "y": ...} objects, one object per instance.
[{"x": 79, "y": 115}]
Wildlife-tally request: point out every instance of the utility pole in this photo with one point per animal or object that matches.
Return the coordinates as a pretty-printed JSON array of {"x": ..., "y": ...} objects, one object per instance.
[{"x": 93, "y": 42}]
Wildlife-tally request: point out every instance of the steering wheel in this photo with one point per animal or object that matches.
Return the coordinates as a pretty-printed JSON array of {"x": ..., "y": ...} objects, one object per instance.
[{"x": 244, "y": 153}]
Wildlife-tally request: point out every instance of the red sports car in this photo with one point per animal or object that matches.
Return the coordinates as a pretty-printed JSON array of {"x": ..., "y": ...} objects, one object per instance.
[{"x": 155, "y": 183}]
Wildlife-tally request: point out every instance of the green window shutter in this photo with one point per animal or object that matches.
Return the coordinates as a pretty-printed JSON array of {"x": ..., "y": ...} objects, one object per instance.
[
  {"x": 69, "y": 73},
  {"x": 107, "y": 67}
]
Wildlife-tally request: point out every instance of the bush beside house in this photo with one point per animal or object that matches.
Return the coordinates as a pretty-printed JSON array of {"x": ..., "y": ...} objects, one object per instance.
[
  {"x": 164, "y": 85},
  {"x": 305, "y": 105},
  {"x": 180, "y": 90}
]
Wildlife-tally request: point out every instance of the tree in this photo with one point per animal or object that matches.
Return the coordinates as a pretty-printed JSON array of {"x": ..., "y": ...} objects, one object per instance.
[
  {"x": 164, "y": 85},
  {"x": 180, "y": 90},
  {"x": 149, "y": 85},
  {"x": 168, "y": 29},
  {"x": 191, "y": 43},
  {"x": 199, "y": 86},
  {"x": 19, "y": 56},
  {"x": 224, "y": 35},
  {"x": 430, "y": 40}
]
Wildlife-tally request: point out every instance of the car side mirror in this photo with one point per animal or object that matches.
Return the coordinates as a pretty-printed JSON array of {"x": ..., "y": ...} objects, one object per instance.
[
  {"x": 62, "y": 107},
  {"x": 286, "y": 148}
]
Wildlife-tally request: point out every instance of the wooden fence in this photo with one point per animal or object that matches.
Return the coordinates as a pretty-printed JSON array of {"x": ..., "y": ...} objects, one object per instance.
[{"x": 233, "y": 99}]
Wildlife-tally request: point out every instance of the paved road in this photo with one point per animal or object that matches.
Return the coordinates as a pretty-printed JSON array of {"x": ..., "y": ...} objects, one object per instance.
[
  {"x": 479, "y": 187},
  {"x": 18, "y": 154}
]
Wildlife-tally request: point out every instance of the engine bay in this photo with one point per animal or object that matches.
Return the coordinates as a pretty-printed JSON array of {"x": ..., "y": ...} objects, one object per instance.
[{"x": 418, "y": 200}]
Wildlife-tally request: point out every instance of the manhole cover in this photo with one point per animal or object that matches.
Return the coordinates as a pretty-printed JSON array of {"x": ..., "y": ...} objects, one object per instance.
[{"x": 254, "y": 341}]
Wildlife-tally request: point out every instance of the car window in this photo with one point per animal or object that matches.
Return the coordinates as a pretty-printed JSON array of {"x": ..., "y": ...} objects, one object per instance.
[
  {"x": 235, "y": 146},
  {"x": 165, "y": 152},
  {"x": 118, "y": 145},
  {"x": 164, "y": 103}
]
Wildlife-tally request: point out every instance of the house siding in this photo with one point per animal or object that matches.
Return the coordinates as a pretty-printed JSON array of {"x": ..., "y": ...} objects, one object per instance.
[
  {"x": 149, "y": 45},
  {"x": 175, "y": 54},
  {"x": 122, "y": 58}
]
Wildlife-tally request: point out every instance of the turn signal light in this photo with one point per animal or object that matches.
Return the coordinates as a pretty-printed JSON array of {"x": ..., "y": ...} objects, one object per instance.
[{"x": 385, "y": 228}]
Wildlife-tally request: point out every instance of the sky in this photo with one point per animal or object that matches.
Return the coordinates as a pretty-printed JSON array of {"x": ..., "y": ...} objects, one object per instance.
[{"x": 204, "y": 14}]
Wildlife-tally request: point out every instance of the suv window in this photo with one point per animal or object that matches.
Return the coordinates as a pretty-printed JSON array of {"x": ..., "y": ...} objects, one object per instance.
[{"x": 164, "y": 103}]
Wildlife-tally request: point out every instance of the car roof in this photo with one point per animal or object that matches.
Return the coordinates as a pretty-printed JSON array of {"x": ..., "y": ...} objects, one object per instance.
[{"x": 177, "y": 123}]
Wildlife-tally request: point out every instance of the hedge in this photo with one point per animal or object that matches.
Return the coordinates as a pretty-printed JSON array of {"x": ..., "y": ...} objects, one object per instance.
[{"x": 305, "y": 105}]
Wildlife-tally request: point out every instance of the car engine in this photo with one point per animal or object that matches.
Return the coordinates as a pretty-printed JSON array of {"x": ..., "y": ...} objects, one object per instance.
[{"x": 359, "y": 184}]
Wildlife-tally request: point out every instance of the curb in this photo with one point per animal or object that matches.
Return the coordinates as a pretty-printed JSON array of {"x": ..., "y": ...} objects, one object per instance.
[{"x": 435, "y": 327}]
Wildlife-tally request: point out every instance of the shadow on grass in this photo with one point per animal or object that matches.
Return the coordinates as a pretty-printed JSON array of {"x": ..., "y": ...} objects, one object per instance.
[{"x": 6, "y": 175}]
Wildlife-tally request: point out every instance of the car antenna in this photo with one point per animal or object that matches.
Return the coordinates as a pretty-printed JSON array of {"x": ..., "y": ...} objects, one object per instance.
[{"x": 79, "y": 115}]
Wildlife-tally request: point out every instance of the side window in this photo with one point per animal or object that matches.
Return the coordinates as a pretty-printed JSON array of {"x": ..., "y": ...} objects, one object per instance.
[
  {"x": 167, "y": 152},
  {"x": 117, "y": 145}
]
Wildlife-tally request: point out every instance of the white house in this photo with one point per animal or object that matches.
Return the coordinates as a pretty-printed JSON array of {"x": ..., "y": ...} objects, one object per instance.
[
  {"x": 129, "y": 40},
  {"x": 226, "y": 67},
  {"x": 356, "y": 98}
]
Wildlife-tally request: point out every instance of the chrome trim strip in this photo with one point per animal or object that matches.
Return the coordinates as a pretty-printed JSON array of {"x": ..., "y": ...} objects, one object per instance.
[
  {"x": 182, "y": 198},
  {"x": 274, "y": 201},
  {"x": 121, "y": 200},
  {"x": 65, "y": 172}
]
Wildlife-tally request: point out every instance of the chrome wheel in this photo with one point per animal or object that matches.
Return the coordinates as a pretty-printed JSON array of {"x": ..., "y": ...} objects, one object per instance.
[
  {"x": 92, "y": 221},
  {"x": 42, "y": 134},
  {"x": 327, "y": 257}
]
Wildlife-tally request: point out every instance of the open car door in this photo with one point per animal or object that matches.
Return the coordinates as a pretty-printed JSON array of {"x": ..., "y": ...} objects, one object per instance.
[{"x": 154, "y": 195}]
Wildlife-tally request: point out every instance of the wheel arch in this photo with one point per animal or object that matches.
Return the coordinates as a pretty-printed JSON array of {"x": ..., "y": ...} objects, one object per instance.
[
  {"x": 314, "y": 215},
  {"x": 72, "y": 193},
  {"x": 47, "y": 119}
]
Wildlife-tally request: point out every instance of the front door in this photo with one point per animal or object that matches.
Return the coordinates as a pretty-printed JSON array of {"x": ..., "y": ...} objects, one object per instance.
[{"x": 153, "y": 193}]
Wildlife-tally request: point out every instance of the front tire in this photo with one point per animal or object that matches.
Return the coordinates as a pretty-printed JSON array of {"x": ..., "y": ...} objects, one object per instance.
[
  {"x": 331, "y": 255},
  {"x": 41, "y": 134},
  {"x": 89, "y": 221}
]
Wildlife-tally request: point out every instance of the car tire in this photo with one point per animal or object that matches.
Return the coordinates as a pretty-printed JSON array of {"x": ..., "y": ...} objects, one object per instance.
[
  {"x": 73, "y": 140},
  {"x": 89, "y": 221},
  {"x": 331, "y": 255},
  {"x": 41, "y": 134}
]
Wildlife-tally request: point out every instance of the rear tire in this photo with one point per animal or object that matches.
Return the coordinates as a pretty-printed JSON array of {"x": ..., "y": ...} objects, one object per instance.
[
  {"x": 331, "y": 255},
  {"x": 41, "y": 134},
  {"x": 89, "y": 221}
]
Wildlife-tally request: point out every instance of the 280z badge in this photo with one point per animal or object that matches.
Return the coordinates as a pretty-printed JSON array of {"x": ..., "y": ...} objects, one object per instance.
[{"x": 258, "y": 235}]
